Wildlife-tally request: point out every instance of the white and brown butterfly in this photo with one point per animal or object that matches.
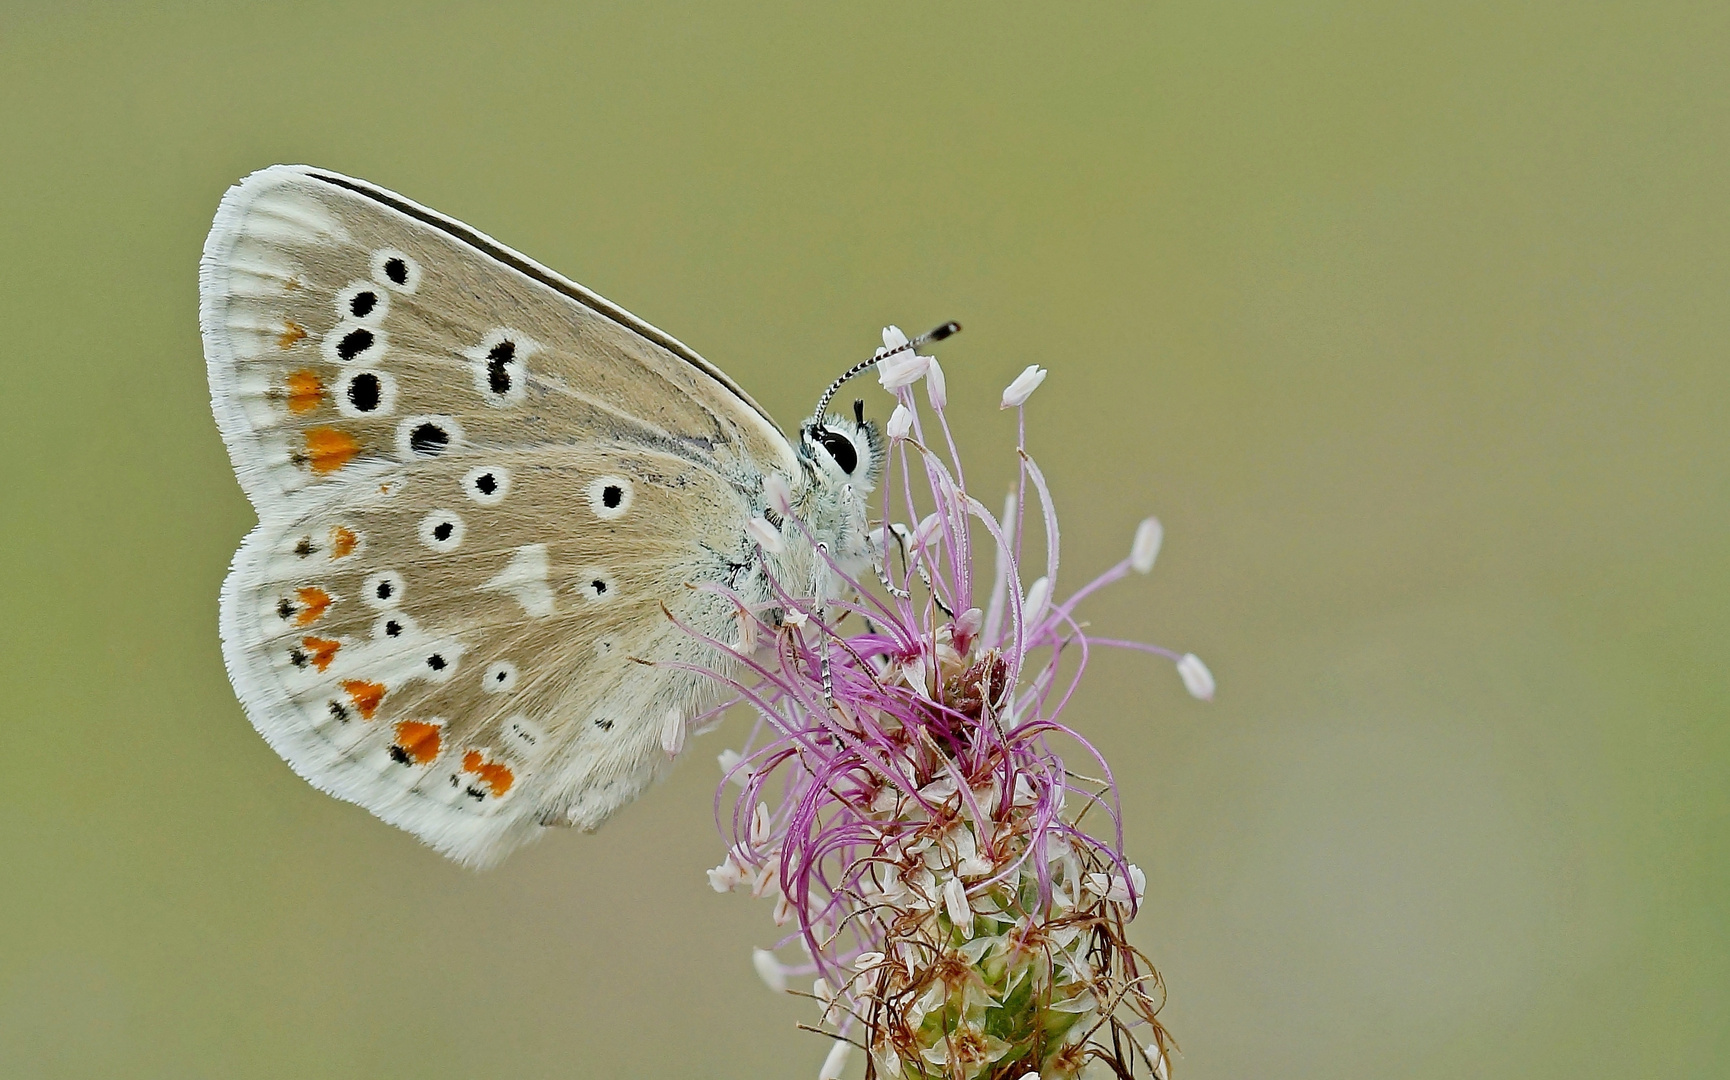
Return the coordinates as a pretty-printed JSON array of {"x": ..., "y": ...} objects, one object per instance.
[{"x": 482, "y": 490}]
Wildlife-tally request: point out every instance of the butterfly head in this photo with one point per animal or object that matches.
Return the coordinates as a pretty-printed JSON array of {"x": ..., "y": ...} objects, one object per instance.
[{"x": 840, "y": 450}]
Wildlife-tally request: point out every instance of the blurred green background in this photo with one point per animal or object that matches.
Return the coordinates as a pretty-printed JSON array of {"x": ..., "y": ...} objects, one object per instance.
[{"x": 1408, "y": 319}]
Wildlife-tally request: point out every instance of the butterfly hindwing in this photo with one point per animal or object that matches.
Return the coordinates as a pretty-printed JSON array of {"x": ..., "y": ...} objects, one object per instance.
[{"x": 481, "y": 489}]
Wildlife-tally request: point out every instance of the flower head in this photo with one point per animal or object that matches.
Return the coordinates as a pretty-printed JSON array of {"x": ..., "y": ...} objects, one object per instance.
[{"x": 960, "y": 895}]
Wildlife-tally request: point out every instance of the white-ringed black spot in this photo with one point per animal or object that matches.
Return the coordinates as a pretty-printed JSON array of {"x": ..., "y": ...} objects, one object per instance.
[
  {"x": 421, "y": 437},
  {"x": 428, "y": 439},
  {"x": 363, "y": 391},
  {"x": 393, "y": 626},
  {"x": 285, "y": 608},
  {"x": 439, "y": 660},
  {"x": 610, "y": 497},
  {"x": 367, "y": 393},
  {"x": 338, "y": 711},
  {"x": 487, "y": 484},
  {"x": 442, "y": 530},
  {"x": 353, "y": 343},
  {"x": 383, "y": 589},
  {"x": 395, "y": 270},
  {"x": 363, "y": 302},
  {"x": 349, "y": 343},
  {"x": 499, "y": 678},
  {"x": 597, "y": 584},
  {"x": 603, "y": 723},
  {"x": 499, "y": 358},
  {"x": 499, "y": 366}
]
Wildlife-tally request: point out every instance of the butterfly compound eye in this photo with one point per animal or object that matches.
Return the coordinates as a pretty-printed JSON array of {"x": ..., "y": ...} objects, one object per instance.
[{"x": 840, "y": 447}]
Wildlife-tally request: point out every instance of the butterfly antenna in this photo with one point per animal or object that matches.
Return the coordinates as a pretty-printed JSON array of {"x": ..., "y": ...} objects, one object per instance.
[{"x": 948, "y": 329}]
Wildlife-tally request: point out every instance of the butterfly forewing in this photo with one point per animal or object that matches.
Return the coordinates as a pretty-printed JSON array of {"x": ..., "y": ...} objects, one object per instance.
[{"x": 478, "y": 488}]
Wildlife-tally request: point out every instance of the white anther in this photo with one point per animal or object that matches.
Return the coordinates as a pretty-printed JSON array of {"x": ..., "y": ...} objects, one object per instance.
[
  {"x": 1017, "y": 392},
  {"x": 766, "y": 535},
  {"x": 778, "y": 495},
  {"x": 673, "y": 733},
  {"x": 928, "y": 528},
  {"x": 836, "y": 1063},
  {"x": 1196, "y": 678},
  {"x": 1033, "y": 608},
  {"x": 769, "y": 969},
  {"x": 724, "y": 877},
  {"x": 1157, "y": 1056},
  {"x": 747, "y": 642},
  {"x": 955, "y": 903},
  {"x": 900, "y": 422},
  {"x": 935, "y": 388},
  {"x": 1148, "y": 536},
  {"x": 902, "y": 369}
]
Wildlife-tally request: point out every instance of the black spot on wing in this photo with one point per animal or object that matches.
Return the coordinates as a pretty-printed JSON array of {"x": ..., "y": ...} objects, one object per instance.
[{"x": 429, "y": 440}]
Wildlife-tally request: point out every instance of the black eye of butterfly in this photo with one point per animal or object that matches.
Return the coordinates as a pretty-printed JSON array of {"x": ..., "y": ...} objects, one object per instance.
[{"x": 840, "y": 448}]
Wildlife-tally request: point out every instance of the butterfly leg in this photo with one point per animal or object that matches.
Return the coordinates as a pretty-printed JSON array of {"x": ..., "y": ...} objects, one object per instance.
[
  {"x": 879, "y": 559},
  {"x": 894, "y": 590},
  {"x": 900, "y": 532},
  {"x": 822, "y": 612}
]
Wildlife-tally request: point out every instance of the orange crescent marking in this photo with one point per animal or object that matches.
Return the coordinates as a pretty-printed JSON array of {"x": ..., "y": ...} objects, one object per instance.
[
  {"x": 328, "y": 449},
  {"x": 497, "y": 777},
  {"x": 342, "y": 541},
  {"x": 313, "y": 602},
  {"x": 365, "y": 695},
  {"x": 305, "y": 391},
  {"x": 419, "y": 741},
  {"x": 291, "y": 333},
  {"x": 320, "y": 650}
]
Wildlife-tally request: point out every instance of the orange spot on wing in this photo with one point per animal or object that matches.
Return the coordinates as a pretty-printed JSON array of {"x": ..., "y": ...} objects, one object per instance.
[
  {"x": 342, "y": 541},
  {"x": 419, "y": 742},
  {"x": 321, "y": 651},
  {"x": 328, "y": 449},
  {"x": 365, "y": 695},
  {"x": 291, "y": 333},
  {"x": 493, "y": 775},
  {"x": 305, "y": 391},
  {"x": 313, "y": 602}
]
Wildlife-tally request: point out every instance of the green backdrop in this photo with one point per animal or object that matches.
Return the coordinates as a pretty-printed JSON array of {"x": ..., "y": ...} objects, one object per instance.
[{"x": 1409, "y": 320}]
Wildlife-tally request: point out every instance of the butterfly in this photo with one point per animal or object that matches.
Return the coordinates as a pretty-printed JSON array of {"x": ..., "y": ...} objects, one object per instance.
[{"x": 504, "y": 526}]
